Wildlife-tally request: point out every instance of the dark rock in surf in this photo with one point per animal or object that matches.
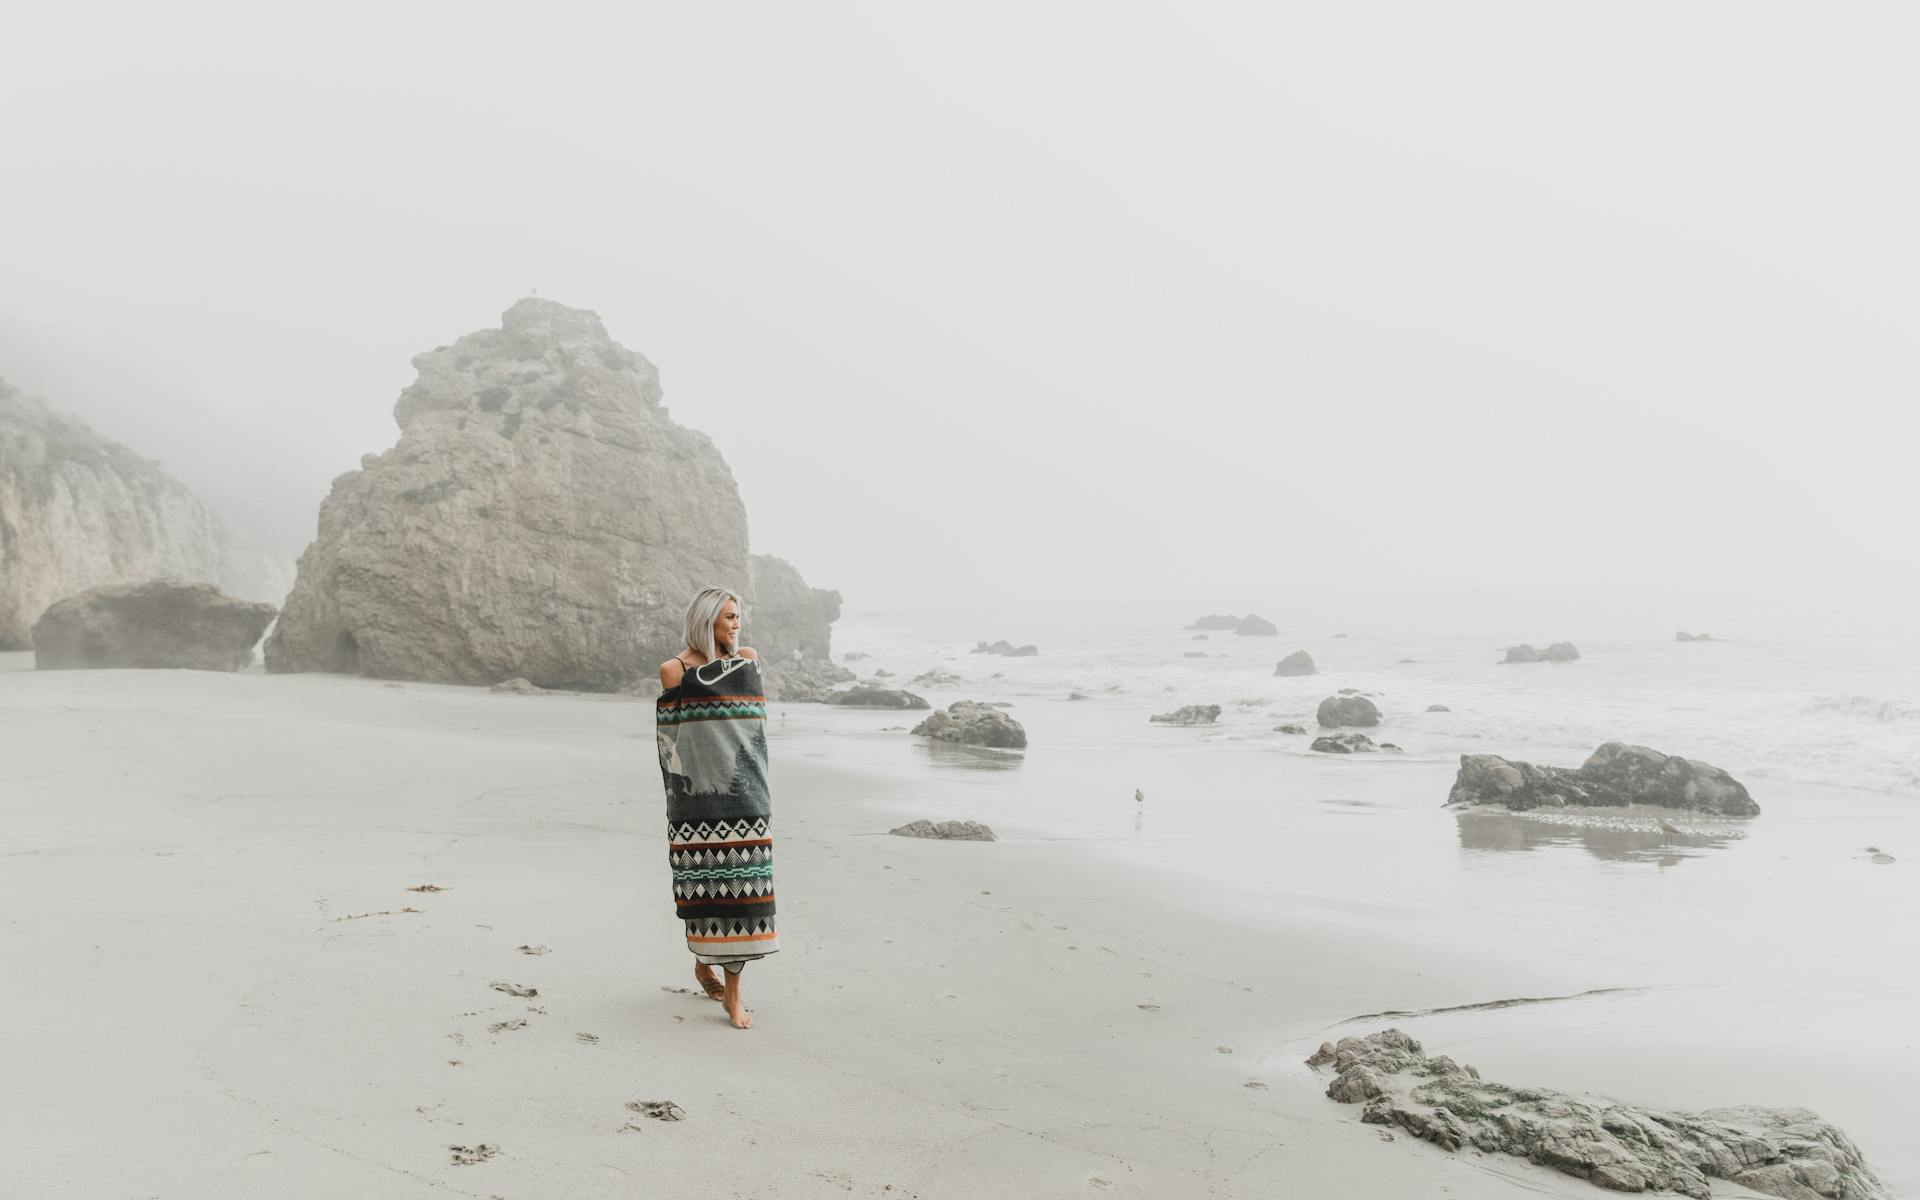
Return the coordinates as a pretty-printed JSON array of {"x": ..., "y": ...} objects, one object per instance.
[
  {"x": 1558, "y": 652},
  {"x": 1614, "y": 776},
  {"x": 1297, "y": 663},
  {"x": 1005, "y": 648},
  {"x": 870, "y": 695},
  {"x": 1188, "y": 714},
  {"x": 1343, "y": 743},
  {"x": 973, "y": 724},
  {"x": 1338, "y": 711}
]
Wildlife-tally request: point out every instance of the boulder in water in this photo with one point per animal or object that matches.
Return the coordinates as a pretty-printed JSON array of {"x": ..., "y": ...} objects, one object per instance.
[
  {"x": 1614, "y": 776},
  {"x": 1558, "y": 652},
  {"x": 1297, "y": 663},
  {"x": 1338, "y": 711},
  {"x": 1290, "y": 728},
  {"x": 1786, "y": 1152},
  {"x": 158, "y": 623},
  {"x": 1188, "y": 714},
  {"x": 1343, "y": 743},
  {"x": 873, "y": 695},
  {"x": 1253, "y": 625},
  {"x": 1216, "y": 621},
  {"x": 1005, "y": 648},
  {"x": 1438, "y": 708},
  {"x": 973, "y": 724}
]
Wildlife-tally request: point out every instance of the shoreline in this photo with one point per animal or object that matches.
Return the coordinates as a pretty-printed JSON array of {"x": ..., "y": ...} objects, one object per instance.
[{"x": 943, "y": 1020}]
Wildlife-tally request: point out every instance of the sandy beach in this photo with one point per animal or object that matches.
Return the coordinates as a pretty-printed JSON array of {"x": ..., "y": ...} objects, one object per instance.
[{"x": 218, "y": 988}]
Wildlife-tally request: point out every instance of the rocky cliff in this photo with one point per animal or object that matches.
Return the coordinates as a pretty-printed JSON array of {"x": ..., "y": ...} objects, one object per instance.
[
  {"x": 78, "y": 510},
  {"x": 541, "y": 517}
]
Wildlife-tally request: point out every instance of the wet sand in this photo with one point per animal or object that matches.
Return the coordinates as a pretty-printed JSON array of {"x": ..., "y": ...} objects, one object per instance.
[{"x": 217, "y": 989}]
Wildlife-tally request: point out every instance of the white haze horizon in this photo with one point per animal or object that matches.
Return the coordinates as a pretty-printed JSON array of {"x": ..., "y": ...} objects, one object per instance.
[{"x": 1497, "y": 318}]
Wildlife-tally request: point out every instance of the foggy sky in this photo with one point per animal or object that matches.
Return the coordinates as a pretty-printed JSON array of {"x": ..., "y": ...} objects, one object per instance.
[{"x": 1188, "y": 300}]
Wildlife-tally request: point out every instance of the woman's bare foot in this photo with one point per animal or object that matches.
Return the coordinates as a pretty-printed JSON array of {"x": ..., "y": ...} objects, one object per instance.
[
  {"x": 709, "y": 982},
  {"x": 736, "y": 1007}
]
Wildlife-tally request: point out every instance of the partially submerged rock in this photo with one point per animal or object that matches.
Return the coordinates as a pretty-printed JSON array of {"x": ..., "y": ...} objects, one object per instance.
[
  {"x": 1297, "y": 663},
  {"x": 1684, "y": 636},
  {"x": 1615, "y": 775},
  {"x": 1256, "y": 626},
  {"x": 1343, "y": 743},
  {"x": 973, "y": 724},
  {"x": 1338, "y": 711},
  {"x": 1188, "y": 714},
  {"x": 1558, "y": 652},
  {"x": 159, "y": 623},
  {"x": 1006, "y": 648},
  {"x": 1787, "y": 1152},
  {"x": 937, "y": 678},
  {"x": 873, "y": 695},
  {"x": 1289, "y": 728},
  {"x": 1216, "y": 621},
  {"x": 953, "y": 831},
  {"x": 1438, "y": 708}
]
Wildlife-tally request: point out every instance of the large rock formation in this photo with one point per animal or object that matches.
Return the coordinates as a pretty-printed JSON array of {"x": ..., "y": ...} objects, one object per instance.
[
  {"x": 973, "y": 724},
  {"x": 1787, "y": 1152},
  {"x": 1614, "y": 776},
  {"x": 1558, "y": 652},
  {"x": 78, "y": 510},
  {"x": 541, "y": 517},
  {"x": 156, "y": 624},
  {"x": 1337, "y": 712},
  {"x": 790, "y": 625}
]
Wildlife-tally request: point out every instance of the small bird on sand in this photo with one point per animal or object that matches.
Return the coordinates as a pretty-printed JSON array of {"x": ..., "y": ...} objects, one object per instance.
[
  {"x": 1139, "y": 797},
  {"x": 1667, "y": 827}
]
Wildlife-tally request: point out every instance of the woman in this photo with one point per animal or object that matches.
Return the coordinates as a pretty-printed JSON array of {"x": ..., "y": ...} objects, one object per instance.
[{"x": 711, "y": 721}]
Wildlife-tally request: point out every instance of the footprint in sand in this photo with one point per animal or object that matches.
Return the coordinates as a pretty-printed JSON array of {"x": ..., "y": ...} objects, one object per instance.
[
  {"x": 532, "y": 949},
  {"x": 514, "y": 989},
  {"x": 504, "y": 1026},
  {"x": 587, "y": 1039},
  {"x": 1224, "y": 1049},
  {"x": 1255, "y": 1084},
  {"x": 466, "y": 1156},
  {"x": 679, "y": 990},
  {"x": 428, "y": 887}
]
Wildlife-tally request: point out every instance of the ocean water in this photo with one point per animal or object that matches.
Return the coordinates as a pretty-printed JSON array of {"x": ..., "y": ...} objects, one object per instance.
[{"x": 1770, "y": 961}]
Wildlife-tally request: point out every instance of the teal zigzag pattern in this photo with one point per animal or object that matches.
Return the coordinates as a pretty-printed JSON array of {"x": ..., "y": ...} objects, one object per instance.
[{"x": 696, "y": 710}]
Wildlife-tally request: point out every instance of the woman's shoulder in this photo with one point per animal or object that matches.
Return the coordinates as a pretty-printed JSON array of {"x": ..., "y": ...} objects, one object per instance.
[
  {"x": 749, "y": 652},
  {"x": 672, "y": 672}
]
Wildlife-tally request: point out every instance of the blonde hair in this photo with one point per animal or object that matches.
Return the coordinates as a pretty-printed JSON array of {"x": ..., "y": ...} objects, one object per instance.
[{"x": 702, "y": 612}]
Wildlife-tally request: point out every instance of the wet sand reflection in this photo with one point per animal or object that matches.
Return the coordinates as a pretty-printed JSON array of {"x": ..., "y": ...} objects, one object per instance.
[{"x": 1620, "y": 835}]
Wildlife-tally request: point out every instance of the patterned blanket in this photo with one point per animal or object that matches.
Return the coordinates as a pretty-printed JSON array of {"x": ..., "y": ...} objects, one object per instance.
[{"x": 712, "y": 732}]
